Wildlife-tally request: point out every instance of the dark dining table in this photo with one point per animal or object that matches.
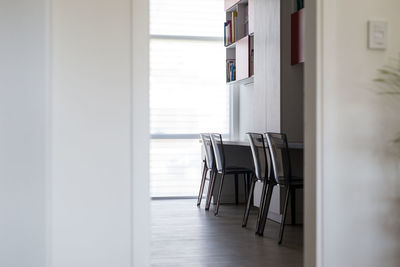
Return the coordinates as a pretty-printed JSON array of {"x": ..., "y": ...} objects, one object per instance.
[{"x": 229, "y": 142}]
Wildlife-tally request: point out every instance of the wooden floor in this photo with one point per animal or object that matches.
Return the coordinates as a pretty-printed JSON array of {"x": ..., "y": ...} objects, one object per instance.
[{"x": 185, "y": 235}]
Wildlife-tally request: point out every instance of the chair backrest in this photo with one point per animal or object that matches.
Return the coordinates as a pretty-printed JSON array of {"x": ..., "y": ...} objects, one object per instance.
[
  {"x": 219, "y": 153},
  {"x": 259, "y": 152},
  {"x": 279, "y": 154},
  {"x": 208, "y": 149}
]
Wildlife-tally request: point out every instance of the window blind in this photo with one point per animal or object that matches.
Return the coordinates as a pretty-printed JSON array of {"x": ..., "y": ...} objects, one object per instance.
[
  {"x": 187, "y": 90},
  {"x": 187, "y": 17}
]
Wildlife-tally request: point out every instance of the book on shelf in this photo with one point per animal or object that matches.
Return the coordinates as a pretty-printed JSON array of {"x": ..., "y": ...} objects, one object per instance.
[
  {"x": 230, "y": 70},
  {"x": 230, "y": 29},
  {"x": 230, "y": 32},
  {"x": 227, "y": 33},
  {"x": 234, "y": 24}
]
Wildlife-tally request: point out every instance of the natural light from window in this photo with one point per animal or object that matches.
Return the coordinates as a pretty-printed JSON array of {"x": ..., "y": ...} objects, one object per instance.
[{"x": 188, "y": 94}]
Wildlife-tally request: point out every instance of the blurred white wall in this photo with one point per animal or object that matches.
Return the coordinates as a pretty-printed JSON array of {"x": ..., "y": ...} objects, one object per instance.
[
  {"x": 90, "y": 149},
  {"x": 23, "y": 92},
  {"x": 74, "y": 133},
  {"x": 358, "y": 166}
]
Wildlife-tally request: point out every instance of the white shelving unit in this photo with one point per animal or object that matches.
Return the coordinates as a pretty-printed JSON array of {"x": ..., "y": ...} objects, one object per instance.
[{"x": 239, "y": 40}]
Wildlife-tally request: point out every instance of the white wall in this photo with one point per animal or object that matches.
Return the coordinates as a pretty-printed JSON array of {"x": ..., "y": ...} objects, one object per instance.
[
  {"x": 260, "y": 102},
  {"x": 358, "y": 186},
  {"x": 249, "y": 113},
  {"x": 74, "y": 139},
  {"x": 91, "y": 133},
  {"x": 23, "y": 93},
  {"x": 92, "y": 201}
]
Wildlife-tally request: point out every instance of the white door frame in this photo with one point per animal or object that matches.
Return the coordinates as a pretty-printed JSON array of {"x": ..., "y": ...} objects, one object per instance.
[
  {"x": 318, "y": 12},
  {"x": 140, "y": 134},
  {"x": 137, "y": 250},
  {"x": 313, "y": 217}
]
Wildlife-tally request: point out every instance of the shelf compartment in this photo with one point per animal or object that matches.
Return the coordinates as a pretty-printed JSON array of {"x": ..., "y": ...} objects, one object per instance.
[
  {"x": 232, "y": 45},
  {"x": 239, "y": 39},
  {"x": 237, "y": 24},
  {"x": 231, "y": 4},
  {"x": 249, "y": 80}
]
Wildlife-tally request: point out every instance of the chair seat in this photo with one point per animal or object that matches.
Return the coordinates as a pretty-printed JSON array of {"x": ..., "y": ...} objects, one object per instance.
[{"x": 237, "y": 170}]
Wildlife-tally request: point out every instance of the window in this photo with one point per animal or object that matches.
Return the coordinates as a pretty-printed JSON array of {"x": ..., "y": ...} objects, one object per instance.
[{"x": 187, "y": 90}]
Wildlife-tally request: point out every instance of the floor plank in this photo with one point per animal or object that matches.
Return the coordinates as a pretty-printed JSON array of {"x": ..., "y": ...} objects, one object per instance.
[{"x": 185, "y": 235}]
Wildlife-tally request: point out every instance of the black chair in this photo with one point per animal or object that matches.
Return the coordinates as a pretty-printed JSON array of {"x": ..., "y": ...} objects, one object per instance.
[
  {"x": 259, "y": 153},
  {"x": 223, "y": 170},
  {"x": 209, "y": 166},
  {"x": 282, "y": 174},
  {"x": 203, "y": 181}
]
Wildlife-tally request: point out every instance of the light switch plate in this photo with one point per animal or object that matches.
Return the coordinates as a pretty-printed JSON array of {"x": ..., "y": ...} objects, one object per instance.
[{"x": 377, "y": 34}]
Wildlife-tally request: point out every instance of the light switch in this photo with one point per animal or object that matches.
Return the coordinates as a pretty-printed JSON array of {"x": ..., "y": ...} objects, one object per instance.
[{"x": 377, "y": 34}]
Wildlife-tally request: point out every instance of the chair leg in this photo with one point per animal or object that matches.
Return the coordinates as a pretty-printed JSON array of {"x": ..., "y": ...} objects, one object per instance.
[
  {"x": 236, "y": 189},
  {"x": 265, "y": 210},
  {"x": 246, "y": 186},
  {"x": 293, "y": 205},
  {"x": 203, "y": 181},
  {"x": 211, "y": 184},
  {"x": 252, "y": 196},
  {"x": 262, "y": 202},
  {"x": 247, "y": 211},
  {"x": 219, "y": 194},
  {"x": 284, "y": 215}
]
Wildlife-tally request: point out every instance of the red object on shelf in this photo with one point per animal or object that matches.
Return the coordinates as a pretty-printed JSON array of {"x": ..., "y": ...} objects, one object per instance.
[{"x": 297, "y": 36}]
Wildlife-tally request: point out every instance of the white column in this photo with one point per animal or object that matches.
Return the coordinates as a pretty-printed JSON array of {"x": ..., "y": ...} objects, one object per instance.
[
  {"x": 23, "y": 90},
  {"x": 99, "y": 121},
  {"x": 74, "y": 133},
  {"x": 355, "y": 181}
]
